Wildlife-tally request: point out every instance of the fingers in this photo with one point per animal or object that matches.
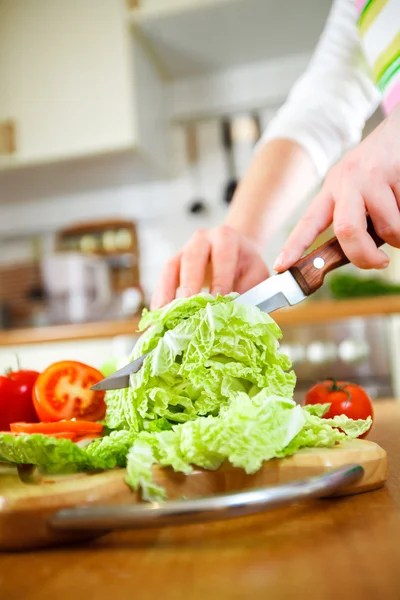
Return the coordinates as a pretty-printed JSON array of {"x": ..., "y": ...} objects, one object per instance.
[
  {"x": 224, "y": 259},
  {"x": 195, "y": 256},
  {"x": 396, "y": 191},
  {"x": 385, "y": 215},
  {"x": 167, "y": 283},
  {"x": 235, "y": 261},
  {"x": 185, "y": 272},
  {"x": 317, "y": 218},
  {"x": 255, "y": 274},
  {"x": 350, "y": 225}
]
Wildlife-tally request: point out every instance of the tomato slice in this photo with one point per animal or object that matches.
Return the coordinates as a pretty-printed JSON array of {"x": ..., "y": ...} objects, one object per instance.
[
  {"x": 63, "y": 391},
  {"x": 78, "y": 428}
]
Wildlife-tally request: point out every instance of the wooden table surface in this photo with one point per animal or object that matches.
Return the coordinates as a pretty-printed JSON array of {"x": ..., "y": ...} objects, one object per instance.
[{"x": 338, "y": 549}]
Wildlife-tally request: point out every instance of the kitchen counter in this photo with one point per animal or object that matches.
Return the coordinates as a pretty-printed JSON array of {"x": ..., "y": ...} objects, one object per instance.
[
  {"x": 345, "y": 548},
  {"x": 310, "y": 311},
  {"x": 61, "y": 333}
]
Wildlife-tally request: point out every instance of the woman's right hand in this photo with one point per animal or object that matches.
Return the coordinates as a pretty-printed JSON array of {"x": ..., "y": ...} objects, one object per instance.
[{"x": 236, "y": 265}]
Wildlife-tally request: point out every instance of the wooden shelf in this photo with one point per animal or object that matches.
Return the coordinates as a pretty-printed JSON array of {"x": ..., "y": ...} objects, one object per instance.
[
  {"x": 192, "y": 37},
  {"x": 311, "y": 311},
  {"x": 61, "y": 333},
  {"x": 307, "y": 313}
]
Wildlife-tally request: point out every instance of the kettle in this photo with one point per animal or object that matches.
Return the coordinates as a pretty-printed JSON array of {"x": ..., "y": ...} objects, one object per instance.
[{"x": 78, "y": 286}]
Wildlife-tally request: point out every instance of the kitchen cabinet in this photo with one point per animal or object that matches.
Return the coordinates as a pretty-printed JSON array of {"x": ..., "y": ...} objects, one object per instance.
[
  {"x": 191, "y": 37},
  {"x": 74, "y": 83}
]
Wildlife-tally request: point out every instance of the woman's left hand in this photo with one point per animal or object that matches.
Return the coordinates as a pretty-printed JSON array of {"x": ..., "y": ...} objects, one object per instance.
[{"x": 366, "y": 180}]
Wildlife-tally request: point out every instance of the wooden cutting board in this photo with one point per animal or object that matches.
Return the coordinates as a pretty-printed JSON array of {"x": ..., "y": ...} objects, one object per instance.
[{"x": 25, "y": 508}]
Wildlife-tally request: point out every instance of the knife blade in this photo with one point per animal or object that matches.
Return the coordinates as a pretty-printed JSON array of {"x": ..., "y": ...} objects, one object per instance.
[
  {"x": 304, "y": 278},
  {"x": 120, "y": 379}
]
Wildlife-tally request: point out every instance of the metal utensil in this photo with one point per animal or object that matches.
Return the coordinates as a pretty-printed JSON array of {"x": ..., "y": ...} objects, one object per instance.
[
  {"x": 226, "y": 130},
  {"x": 210, "y": 508},
  {"x": 197, "y": 205},
  {"x": 286, "y": 289},
  {"x": 120, "y": 379}
]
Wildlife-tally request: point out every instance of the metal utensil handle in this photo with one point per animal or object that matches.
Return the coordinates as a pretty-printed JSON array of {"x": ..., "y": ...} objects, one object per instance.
[{"x": 211, "y": 508}]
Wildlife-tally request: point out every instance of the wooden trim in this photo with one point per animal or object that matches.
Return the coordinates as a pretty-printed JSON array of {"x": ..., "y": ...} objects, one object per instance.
[
  {"x": 8, "y": 144},
  {"x": 62, "y": 333},
  {"x": 133, "y": 4},
  {"x": 322, "y": 311},
  {"x": 96, "y": 226}
]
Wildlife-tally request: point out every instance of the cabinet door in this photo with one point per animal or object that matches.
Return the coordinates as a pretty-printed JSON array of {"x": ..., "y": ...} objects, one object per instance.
[
  {"x": 167, "y": 4},
  {"x": 65, "y": 77}
]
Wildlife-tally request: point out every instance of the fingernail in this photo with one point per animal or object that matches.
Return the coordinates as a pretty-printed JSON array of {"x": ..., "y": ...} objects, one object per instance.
[
  {"x": 216, "y": 290},
  {"x": 384, "y": 265},
  {"x": 183, "y": 292},
  {"x": 155, "y": 303},
  {"x": 279, "y": 262}
]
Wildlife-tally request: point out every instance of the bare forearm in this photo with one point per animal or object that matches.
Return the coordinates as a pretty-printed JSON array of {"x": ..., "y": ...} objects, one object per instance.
[{"x": 281, "y": 175}]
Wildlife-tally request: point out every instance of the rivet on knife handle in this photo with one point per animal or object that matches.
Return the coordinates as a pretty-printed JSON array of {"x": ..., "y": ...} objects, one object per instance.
[{"x": 310, "y": 270}]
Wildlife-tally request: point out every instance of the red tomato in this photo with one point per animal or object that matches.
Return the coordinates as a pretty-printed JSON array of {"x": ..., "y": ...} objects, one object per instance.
[
  {"x": 63, "y": 391},
  {"x": 80, "y": 428},
  {"x": 16, "y": 398},
  {"x": 345, "y": 398}
]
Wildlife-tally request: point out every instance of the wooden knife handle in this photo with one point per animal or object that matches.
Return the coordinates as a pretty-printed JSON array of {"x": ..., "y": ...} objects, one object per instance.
[{"x": 311, "y": 269}]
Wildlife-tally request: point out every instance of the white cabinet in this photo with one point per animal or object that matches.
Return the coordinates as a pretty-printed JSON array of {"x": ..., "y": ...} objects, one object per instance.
[
  {"x": 193, "y": 37},
  {"x": 70, "y": 77},
  {"x": 167, "y": 5}
]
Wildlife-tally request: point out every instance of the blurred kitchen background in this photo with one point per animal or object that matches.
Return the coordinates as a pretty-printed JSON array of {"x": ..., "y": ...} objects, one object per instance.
[{"x": 123, "y": 127}]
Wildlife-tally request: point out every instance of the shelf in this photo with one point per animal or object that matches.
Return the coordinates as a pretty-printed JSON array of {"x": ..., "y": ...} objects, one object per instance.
[
  {"x": 307, "y": 313},
  {"x": 70, "y": 332},
  {"x": 192, "y": 37},
  {"x": 311, "y": 312}
]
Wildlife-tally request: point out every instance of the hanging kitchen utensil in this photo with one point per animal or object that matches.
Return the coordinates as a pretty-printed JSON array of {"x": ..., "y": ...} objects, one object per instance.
[
  {"x": 197, "y": 204},
  {"x": 230, "y": 188},
  {"x": 257, "y": 127}
]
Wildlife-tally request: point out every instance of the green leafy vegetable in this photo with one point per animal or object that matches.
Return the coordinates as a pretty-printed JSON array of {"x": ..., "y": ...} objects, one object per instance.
[
  {"x": 202, "y": 350},
  {"x": 319, "y": 410},
  {"x": 214, "y": 388},
  {"x": 54, "y": 455},
  {"x": 110, "y": 451},
  {"x": 351, "y": 285},
  {"x": 63, "y": 456},
  {"x": 246, "y": 433}
]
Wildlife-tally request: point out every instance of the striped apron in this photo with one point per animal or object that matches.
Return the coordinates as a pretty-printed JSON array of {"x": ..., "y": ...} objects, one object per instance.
[{"x": 379, "y": 25}]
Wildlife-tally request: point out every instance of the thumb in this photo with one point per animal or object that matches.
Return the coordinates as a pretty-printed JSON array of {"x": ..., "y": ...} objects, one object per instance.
[{"x": 317, "y": 218}]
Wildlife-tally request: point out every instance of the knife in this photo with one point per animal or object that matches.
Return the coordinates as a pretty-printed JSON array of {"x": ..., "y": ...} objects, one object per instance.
[{"x": 304, "y": 278}]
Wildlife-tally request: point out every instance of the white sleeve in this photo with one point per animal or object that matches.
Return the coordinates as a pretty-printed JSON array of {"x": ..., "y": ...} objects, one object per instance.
[{"x": 327, "y": 108}]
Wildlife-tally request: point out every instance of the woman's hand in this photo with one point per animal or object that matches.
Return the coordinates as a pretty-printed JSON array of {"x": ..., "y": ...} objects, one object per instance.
[
  {"x": 366, "y": 180},
  {"x": 236, "y": 265}
]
